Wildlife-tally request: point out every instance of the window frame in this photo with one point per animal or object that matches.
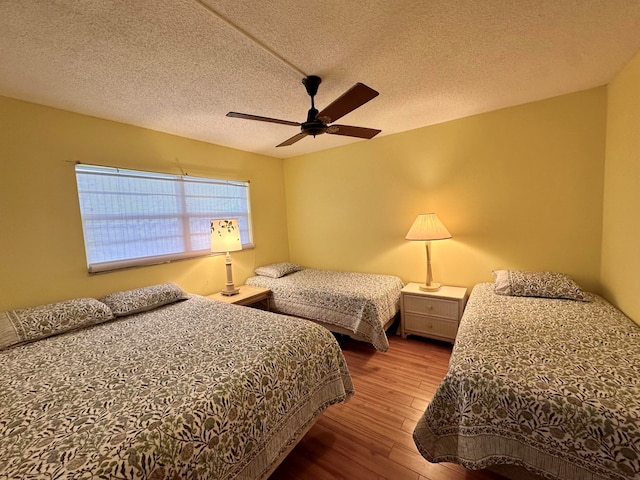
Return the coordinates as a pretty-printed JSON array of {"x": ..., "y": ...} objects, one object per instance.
[{"x": 184, "y": 216}]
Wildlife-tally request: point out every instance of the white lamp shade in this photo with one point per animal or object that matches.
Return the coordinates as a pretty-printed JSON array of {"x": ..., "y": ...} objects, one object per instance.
[
  {"x": 225, "y": 235},
  {"x": 427, "y": 226}
]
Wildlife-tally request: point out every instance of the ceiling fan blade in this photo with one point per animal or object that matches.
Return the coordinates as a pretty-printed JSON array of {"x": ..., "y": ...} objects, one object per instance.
[
  {"x": 350, "y": 131},
  {"x": 293, "y": 139},
  {"x": 261, "y": 119},
  {"x": 353, "y": 98}
]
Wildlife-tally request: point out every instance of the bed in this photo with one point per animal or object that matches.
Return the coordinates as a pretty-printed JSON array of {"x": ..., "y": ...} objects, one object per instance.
[
  {"x": 539, "y": 387},
  {"x": 361, "y": 305},
  {"x": 189, "y": 389}
]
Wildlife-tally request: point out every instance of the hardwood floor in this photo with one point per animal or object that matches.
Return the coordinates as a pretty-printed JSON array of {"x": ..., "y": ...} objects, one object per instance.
[{"x": 370, "y": 436}]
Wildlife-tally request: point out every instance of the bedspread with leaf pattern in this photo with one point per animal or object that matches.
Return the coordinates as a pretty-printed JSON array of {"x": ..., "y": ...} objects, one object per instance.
[
  {"x": 358, "y": 302},
  {"x": 193, "y": 390},
  {"x": 549, "y": 385}
]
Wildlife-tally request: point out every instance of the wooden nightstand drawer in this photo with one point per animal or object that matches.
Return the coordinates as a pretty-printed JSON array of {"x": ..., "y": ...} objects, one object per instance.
[
  {"x": 430, "y": 326},
  {"x": 431, "y": 306}
]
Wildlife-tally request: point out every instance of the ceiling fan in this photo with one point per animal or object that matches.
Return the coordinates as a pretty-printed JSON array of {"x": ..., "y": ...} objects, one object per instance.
[{"x": 317, "y": 122}]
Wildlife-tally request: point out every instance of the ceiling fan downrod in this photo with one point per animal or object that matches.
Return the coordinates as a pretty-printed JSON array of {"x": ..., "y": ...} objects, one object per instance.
[{"x": 312, "y": 126}]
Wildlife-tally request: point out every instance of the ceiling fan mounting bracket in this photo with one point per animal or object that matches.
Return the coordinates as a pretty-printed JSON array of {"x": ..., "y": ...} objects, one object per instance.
[{"x": 311, "y": 83}]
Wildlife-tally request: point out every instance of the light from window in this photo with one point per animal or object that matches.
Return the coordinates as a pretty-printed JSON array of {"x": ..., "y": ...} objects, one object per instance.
[{"x": 132, "y": 218}]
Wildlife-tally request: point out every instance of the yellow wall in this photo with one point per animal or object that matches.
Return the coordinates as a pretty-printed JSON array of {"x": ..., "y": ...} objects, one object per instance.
[
  {"x": 517, "y": 188},
  {"x": 621, "y": 220},
  {"x": 41, "y": 246}
]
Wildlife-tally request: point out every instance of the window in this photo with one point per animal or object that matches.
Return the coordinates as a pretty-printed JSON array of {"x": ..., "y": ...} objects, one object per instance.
[{"x": 132, "y": 218}]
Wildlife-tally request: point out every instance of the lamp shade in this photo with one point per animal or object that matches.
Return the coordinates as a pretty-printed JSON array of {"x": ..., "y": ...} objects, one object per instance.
[
  {"x": 225, "y": 235},
  {"x": 427, "y": 226}
]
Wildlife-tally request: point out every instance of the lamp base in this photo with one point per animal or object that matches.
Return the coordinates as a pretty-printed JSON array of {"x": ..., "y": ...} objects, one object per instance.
[
  {"x": 432, "y": 287},
  {"x": 228, "y": 293}
]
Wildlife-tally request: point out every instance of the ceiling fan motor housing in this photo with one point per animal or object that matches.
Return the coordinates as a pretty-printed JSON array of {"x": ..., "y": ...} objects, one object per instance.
[{"x": 313, "y": 126}]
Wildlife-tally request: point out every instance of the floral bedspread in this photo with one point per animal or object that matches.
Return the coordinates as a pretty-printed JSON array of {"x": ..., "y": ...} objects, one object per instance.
[
  {"x": 549, "y": 385},
  {"x": 193, "y": 390},
  {"x": 358, "y": 302}
]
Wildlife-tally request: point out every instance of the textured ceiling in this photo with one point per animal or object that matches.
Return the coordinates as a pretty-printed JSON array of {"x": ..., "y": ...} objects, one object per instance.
[{"x": 179, "y": 67}]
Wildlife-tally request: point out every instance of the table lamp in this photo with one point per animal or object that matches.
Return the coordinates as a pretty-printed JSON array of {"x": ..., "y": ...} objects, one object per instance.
[
  {"x": 427, "y": 227},
  {"x": 225, "y": 238}
]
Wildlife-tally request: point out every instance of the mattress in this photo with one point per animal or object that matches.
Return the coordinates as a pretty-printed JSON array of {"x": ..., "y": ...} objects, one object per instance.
[
  {"x": 193, "y": 390},
  {"x": 546, "y": 384},
  {"x": 361, "y": 304}
]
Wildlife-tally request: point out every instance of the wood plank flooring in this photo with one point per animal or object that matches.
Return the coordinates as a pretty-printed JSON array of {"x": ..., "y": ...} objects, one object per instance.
[{"x": 370, "y": 436}]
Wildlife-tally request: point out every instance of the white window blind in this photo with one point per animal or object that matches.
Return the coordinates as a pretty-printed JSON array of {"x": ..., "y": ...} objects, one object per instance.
[{"x": 133, "y": 218}]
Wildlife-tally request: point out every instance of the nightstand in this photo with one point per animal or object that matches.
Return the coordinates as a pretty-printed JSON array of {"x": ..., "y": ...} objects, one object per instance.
[
  {"x": 248, "y": 295},
  {"x": 431, "y": 314}
]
